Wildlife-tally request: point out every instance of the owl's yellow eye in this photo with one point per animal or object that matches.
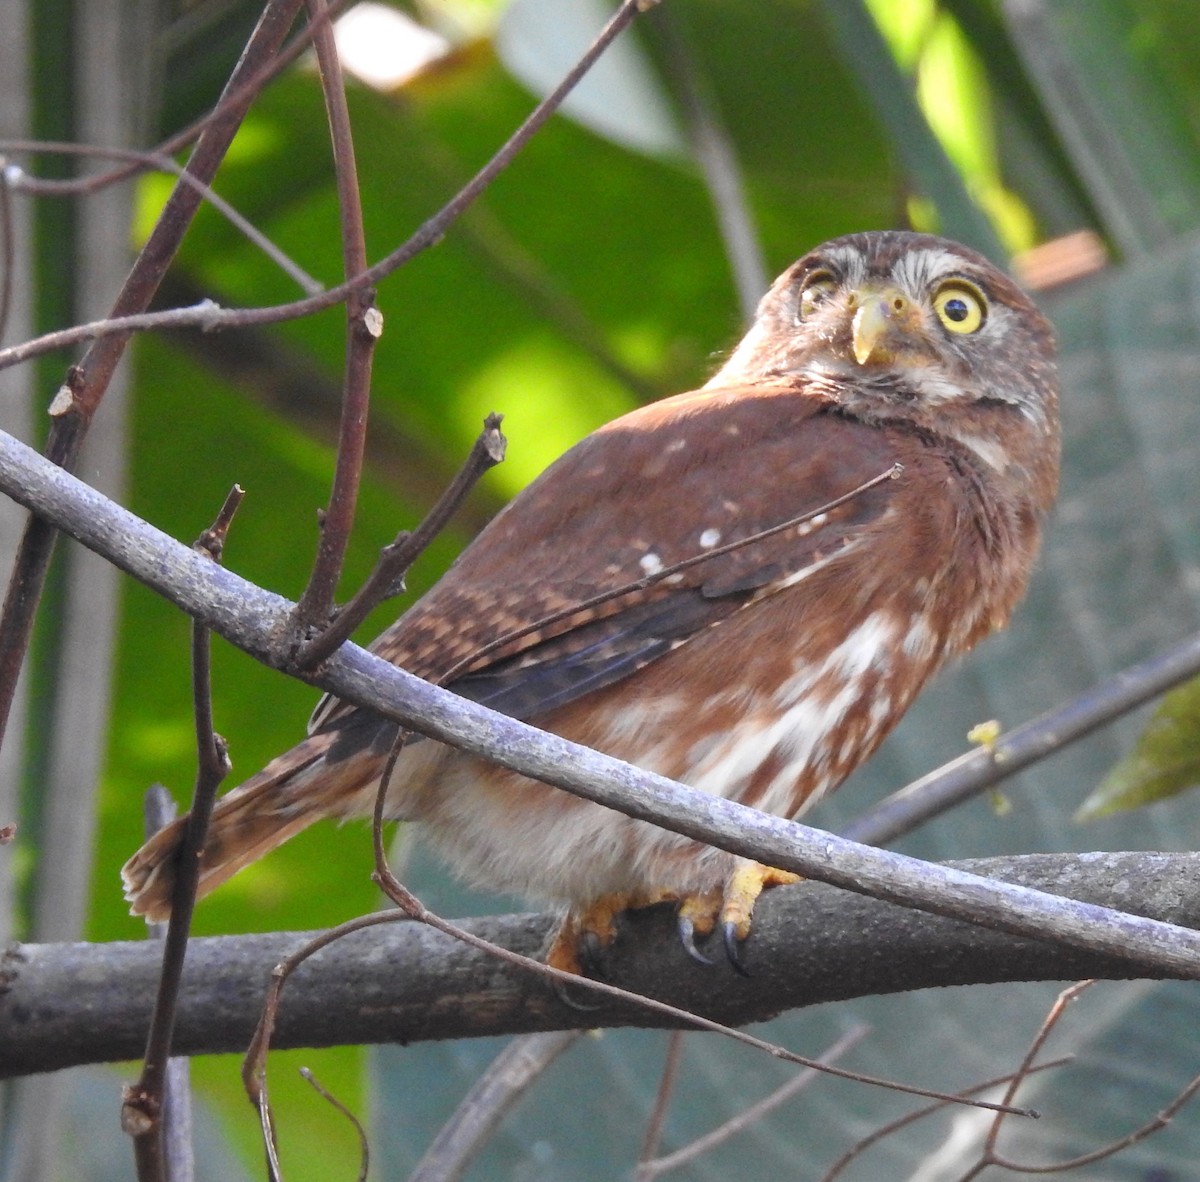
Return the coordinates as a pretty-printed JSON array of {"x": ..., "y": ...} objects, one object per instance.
[
  {"x": 817, "y": 287},
  {"x": 961, "y": 307}
]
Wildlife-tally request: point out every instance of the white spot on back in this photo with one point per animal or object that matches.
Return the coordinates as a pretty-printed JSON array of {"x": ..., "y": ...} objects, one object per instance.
[
  {"x": 650, "y": 563},
  {"x": 709, "y": 538},
  {"x": 806, "y": 527}
]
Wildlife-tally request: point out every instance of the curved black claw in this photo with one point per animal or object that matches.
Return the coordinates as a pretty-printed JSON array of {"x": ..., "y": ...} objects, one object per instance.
[
  {"x": 687, "y": 937},
  {"x": 562, "y": 992},
  {"x": 591, "y": 955},
  {"x": 733, "y": 949}
]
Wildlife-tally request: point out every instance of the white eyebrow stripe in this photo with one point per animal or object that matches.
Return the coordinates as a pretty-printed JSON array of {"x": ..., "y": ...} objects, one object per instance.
[{"x": 914, "y": 269}]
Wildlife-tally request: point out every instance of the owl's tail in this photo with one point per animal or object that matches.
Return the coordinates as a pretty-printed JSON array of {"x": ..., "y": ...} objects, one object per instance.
[{"x": 288, "y": 795}]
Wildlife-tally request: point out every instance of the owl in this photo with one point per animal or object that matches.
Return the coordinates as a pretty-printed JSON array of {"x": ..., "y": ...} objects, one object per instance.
[{"x": 640, "y": 597}]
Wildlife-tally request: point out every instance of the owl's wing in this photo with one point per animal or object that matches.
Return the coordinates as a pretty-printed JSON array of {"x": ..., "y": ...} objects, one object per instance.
[{"x": 521, "y": 623}]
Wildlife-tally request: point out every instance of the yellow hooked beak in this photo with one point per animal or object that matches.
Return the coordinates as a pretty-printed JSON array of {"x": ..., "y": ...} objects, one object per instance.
[{"x": 877, "y": 312}]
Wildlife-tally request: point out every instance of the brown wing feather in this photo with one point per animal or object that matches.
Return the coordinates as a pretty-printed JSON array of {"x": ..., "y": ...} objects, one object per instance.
[{"x": 567, "y": 540}]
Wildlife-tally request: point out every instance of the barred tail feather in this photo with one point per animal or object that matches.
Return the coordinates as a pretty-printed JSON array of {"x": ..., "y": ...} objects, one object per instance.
[{"x": 247, "y": 822}]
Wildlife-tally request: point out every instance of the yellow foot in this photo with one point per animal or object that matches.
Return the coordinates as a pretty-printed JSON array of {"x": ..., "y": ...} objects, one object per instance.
[
  {"x": 746, "y": 883},
  {"x": 596, "y": 926},
  {"x": 733, "y": 907}
]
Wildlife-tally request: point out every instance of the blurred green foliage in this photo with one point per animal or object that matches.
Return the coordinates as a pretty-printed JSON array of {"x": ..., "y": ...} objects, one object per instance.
[{"x": 587, "y": 279}]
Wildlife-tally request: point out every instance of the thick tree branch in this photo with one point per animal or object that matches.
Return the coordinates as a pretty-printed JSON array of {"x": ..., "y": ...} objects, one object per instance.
[
  {"x": 66, "y": 1004},
  {"x": 256, "y": 621}
]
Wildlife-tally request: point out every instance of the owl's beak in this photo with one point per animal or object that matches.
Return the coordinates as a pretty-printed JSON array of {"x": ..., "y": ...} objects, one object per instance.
[{"x": 877, "y": 313}]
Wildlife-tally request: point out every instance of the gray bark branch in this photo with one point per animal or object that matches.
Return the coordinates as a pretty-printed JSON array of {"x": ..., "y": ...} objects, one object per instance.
[{"x": 67, "y": 1004}]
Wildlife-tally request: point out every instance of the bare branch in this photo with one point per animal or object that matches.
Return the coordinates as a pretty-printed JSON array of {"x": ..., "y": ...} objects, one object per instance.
[
  {"x": 253, "y": 619},
  {"x": 363, "y": 327},
  {"x": 142, "y": 1105},
  {"x": 648, "y": 1170},
  {"x": 396, "y": 558},
  {"x": 158, "y": 162},
  {"x": 364, "y": 1149},
  {"x": 66, "y": 1004},
  {"x": 87, "y": 382},
  {"x": 427, "y": 235},
  {"x": 250, "y": 85},
  {"x": 894, "y": 1126},
  {"x": 991, "y": 1156},
  {"x": 8, "y": 244},
  {"x": 160, "y": 810},
  {"x": 980, "y": 769},
  {"x": 662, "y": 1099},
  {"x": 493, "y": 1095},
  {"x": 1064, "y": 999}
]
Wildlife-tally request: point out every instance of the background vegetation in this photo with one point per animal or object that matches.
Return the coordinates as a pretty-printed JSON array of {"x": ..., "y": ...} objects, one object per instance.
[{"x": 592, "y": 276}]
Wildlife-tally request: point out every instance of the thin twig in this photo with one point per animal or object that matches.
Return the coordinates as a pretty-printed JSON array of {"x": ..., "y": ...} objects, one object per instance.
[
  {"x": 8, "y": 243},
  {"x": 364, "y": 1148},
  {"x": 894, "y": 1126},
  {"x": 640, "y": 584},
  {"x": 87, "y": 382},
  {"x": 364, "y": 323},
  {"x": 413, "y": 908},
  {"x": 1152, "y": 1126},
  {"x": 151, "y": 160},
  {"x": 251, "y": 85},
  {"x": 507, "y": 1079},
  {"x": 981, "y": 768},
  {"x": 662, "y": 1099},
  {"x": 429, "y": 233},
  {"x": 1064, "y": 999},
  {"x": 990, "y": 1156},
  {"x": 647, "y": 1171},
  {"x": 142, "y": 1103},
  {"x": 178, "y": 1153},
  {"x": 395, "y": 559},
  {"x": 254, "y": 1061}
]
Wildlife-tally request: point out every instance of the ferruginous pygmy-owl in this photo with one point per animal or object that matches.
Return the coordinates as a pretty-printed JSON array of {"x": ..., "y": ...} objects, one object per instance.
[{"x": 766, "y": 671}]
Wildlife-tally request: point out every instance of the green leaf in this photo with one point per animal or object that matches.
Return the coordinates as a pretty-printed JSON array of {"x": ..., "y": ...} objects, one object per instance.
[{"x": 1164, "y": 762}]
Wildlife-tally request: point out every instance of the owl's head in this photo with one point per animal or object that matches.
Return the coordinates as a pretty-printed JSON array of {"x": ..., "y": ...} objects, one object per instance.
[{"x": 895, "y": 324}]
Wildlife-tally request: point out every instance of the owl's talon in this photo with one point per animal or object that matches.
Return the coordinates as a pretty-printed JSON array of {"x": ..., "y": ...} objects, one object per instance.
[
  {"x": 590, "y": 951},
  {"x": 733, "y": 948},
  {"x": 562, "y": 990},
  {"x": 687, "y": 937}
]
